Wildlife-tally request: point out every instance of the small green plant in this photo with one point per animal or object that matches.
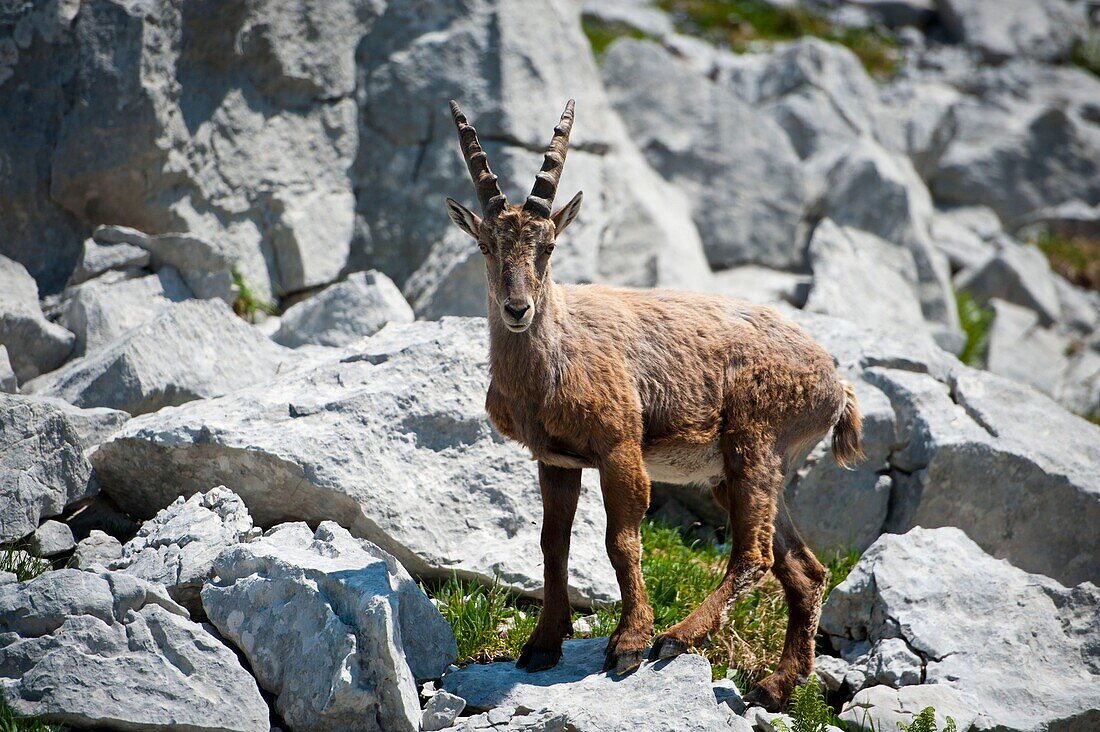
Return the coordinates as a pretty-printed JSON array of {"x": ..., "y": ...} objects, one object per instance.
[
  {"x": 1086, "y": 53},
  {"x": 975, "y": 321},
  {"x": 488, "y": 623},
  {"x": 25, "y": 566},
  {"x": 738, "y": 24},
  {"x": 601, "y": 34},
  {"x": 247, "y": 303},
  {"x": 1076, "y": 258},
  {"x": 926, "y": 722},
  {"x": 808, "y": 710},
  {"x": 9, "y": 722}
]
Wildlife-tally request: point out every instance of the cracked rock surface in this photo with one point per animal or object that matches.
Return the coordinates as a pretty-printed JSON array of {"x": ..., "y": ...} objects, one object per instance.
[
  {"x": 1022, "y": 645},
  {"x": 103, "y": 649}
]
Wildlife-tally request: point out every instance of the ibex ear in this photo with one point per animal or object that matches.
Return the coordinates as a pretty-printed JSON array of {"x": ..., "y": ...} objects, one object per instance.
[
  {"x": 463, "y": 217},
  {"x": 565, "y": 215}
]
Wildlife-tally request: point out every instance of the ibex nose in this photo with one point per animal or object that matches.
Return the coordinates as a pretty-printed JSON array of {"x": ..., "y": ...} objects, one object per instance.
[{"x": 516, "y": 309}]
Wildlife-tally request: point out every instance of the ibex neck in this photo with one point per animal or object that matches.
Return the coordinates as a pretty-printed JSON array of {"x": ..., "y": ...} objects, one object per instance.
[{"x": 529, "y": 360}]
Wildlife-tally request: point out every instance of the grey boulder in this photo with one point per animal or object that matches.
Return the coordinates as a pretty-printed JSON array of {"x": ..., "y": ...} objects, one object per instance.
[
  {"x": 389, "y": 439},
  {"x": 87, "y": 649},
  {"x": 746, "y": 191},
  {"x": 51, "y": 538},
  {"x": 43, "y": 467},
  {"x": 679, "y": 690},
  {"x": 176, "y": 549},
  {"x": 936, "y": 591},
  {"x": 341, "y": 313},
  {"x": 1017, "y": 274},
  {"x": 190, "y": 350},
  {"x": 882, "y": 707},
  {"x": 96, "y": 259},
  {"x": 98, "y": 549},
  {"x": 1004, "y": 29},
  {"x": 332, "y": 626},
  {"x": 35, "y": 345}
]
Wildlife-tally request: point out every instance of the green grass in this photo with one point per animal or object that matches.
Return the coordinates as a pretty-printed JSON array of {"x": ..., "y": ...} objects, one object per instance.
[
  {"x": 492, "y": 624},
  {"x": 739, "y": 23},
  {"x": 809, "y": 711},
  {"x": 14, "y": 558},
  {"x": 247, "y": 303},
  {"x": 11, "y": 723},
  {"x": 926, "y": 722},
  {"x": 975, "y": 321},
  {"x": 601, "y": 34},
  {"x": 1086, "y": 54},
  {"x": 1075, "y": 258}
]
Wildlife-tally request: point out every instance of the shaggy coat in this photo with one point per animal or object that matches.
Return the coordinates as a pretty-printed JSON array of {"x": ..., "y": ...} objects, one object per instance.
[{"x": 672, "y": 386}]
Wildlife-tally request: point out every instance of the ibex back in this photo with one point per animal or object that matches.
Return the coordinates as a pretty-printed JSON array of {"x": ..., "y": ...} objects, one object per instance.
[{"x": 684, "y": 388}]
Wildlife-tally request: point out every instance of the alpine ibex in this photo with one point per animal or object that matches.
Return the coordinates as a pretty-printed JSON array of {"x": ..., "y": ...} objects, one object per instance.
[{"x": 678, "y": 387}]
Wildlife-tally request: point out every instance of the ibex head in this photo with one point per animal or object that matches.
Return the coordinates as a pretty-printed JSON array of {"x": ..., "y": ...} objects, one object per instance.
[{"x": 516, "y": 240}]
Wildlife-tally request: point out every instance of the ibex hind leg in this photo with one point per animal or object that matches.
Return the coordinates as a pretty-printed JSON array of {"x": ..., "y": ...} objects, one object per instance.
[
  {"x": 748, "y": 492},
  {"x": 803, "y": 579}
]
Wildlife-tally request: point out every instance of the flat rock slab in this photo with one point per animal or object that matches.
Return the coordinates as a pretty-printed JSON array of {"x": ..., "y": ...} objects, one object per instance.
[
  {"x": 332, "y": 626},
  {"x": 673, "y": 695},
  {"x": 388, "y": 438},
  {"x": 107, "y": 650},
  {"x": 345, "y": 312}
]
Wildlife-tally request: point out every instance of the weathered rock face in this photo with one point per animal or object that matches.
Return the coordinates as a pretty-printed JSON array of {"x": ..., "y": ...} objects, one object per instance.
[
  {"x": 34, "y": 344},
  {"x": 390, "y": 440},
  {"x": 176, "y": 549},
  {"x": 882, "y": 707},
  {"x": 205, "y": 267},
  {"x": 95, "y": 259},
  {"x": 865, "y": 279},
  {"x": 971, "y": 618},
  {"x": 42, "y": 463},
  {"x": 51, "y": 538},
  {"x": 98, "y": 549},
  {"x": 998, "y": 30},
  {"x": 249, "y": 144},
  {"x": 1017, "y": 274},
  {"x": 8, "y": 383},
  {"x": 129, "y": 657},
  {"x": 190, "y": 350},
  {"x": 746, "y": 191},
  {"x": 357, "y": 307},
  {"x": 102, "y": 310},
  {"x": 633, "y": 228},
  {"x": 679, "y": 690},
  {"x": 333, "y": 626}
]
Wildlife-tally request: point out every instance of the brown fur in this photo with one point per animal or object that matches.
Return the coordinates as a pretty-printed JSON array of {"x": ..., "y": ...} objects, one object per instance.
[{"x": 703, "y": 387}]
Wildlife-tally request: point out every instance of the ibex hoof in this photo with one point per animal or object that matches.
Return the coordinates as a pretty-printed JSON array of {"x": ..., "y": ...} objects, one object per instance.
[
  {"x": 761, "y": 697},
  {"x": 620, "y": 663},
  {"x": 666, "y": 646},
  {"x": 534, "y": 659}
]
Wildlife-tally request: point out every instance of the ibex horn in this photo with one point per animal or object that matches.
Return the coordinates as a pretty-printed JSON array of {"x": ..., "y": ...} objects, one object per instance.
[
  {"x": 488, "y": 190},
  {"x": 546, "y": 182}
]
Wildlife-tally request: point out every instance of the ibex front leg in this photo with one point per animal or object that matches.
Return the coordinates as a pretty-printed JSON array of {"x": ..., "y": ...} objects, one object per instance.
[
  {"x": 560, "y": 489},
  {"x": 625, "y": 487}
]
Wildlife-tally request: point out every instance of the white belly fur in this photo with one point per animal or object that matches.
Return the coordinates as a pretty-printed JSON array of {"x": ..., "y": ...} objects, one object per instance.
[{"x": 685, "y": 464}]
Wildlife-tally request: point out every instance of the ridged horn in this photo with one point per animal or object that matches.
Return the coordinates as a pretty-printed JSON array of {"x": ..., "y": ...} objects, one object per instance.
[
  {"x": 485, "y": 183},
  {"x": 546, "y": 182}
]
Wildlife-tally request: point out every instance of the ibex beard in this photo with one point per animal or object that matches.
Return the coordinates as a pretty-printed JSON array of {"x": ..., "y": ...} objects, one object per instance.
[{"x": 684, "y": 388}]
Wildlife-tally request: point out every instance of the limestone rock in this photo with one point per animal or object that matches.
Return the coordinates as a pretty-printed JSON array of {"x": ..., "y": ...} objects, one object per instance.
[
  {"x": 101, "y": 649},
  {"x": 341, "y": 313},
  {"x": 1018, "y": 274},
  {"x": 98, "y": 549},
  {"x": 1003, "y": 29},
  {"x": 34, "y": 344},
  {"x": 332, "y": 626},
  {"x": 100, "y": 311},
  {"x": 389, "y": 439},
  {"x": 95, "y": 259},
  {"x": 441, "y": 711},
  {"x": 8, "y": 383},
  {"x": 51, "y": 538},
  {"x": 880, "y": 707},
  {"x": 191, "y": 350},
  {"x": 176, "y": 549},
  {"x": 746, "y": 190},
  {"x": 935, "y": 589},
  {"x": 42, "y": 462},
  {"x": 592, "y": 701}
]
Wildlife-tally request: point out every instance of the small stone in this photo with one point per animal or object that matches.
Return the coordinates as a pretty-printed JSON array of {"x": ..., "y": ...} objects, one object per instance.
[
  {"x": 99, "y": 548},
  {"x": 441, "y": 711},
  {"x": 52, "y": 538}
]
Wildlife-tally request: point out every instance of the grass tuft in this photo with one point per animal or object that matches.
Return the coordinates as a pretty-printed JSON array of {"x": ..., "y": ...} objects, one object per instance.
[
  {"x": 1076, "y": 258},
  {"x": 739, "y": 23},
  {"x": 975, "y": 321},
  {"x": 247, "y": 304},
  {"x": 16, "y": 559},
  {"x": 601, "y": 34}
]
